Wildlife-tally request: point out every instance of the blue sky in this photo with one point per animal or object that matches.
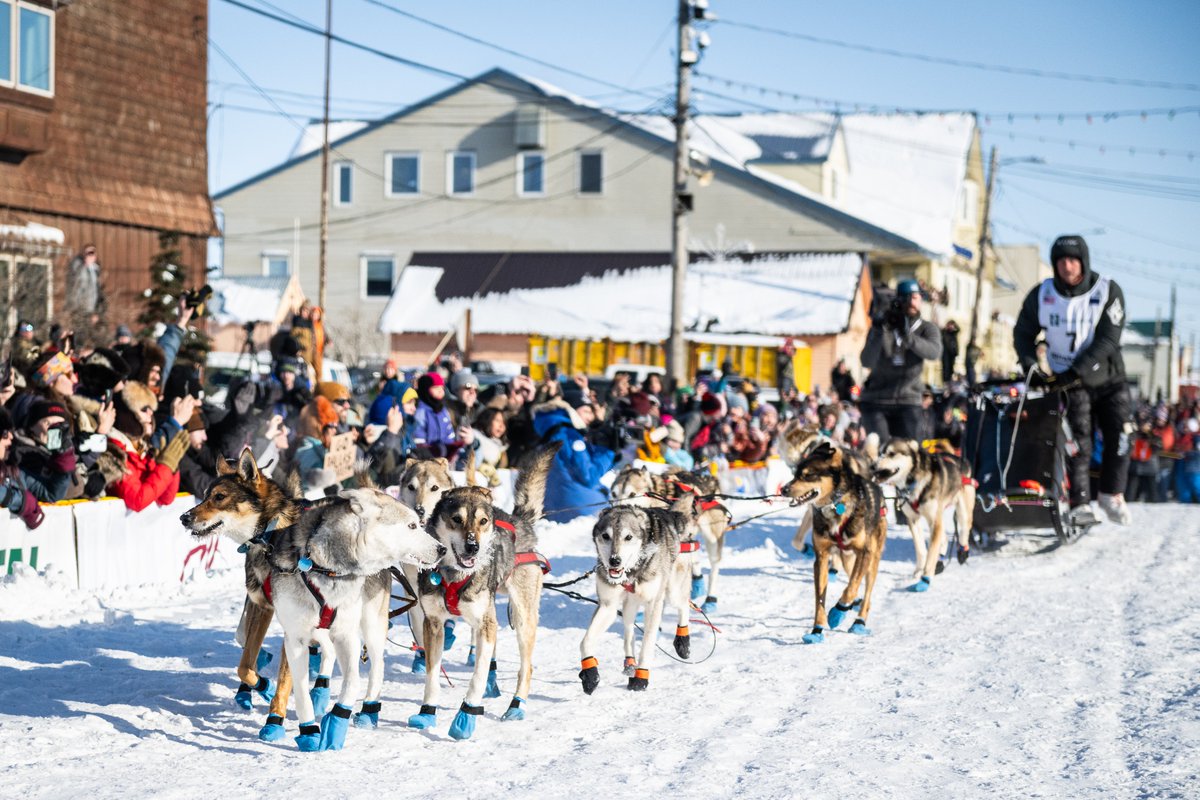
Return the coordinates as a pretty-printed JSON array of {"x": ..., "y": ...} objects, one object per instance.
[{"x": 1139, "y": 211}]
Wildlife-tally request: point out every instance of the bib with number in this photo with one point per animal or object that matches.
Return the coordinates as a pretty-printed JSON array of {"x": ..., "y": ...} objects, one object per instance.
[{"x": 1069, "y": 322}]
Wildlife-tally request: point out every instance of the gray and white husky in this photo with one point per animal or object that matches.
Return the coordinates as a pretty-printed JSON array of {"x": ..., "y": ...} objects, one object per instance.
[
  {"x": 644, "y": 557},
  {"x": 330, "y": 583}
]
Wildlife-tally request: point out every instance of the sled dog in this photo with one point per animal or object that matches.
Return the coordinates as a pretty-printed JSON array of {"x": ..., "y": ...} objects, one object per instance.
[
  {"x": 422, "y": 484},
  {"x": 927, "y": 485},
  {"x": 848, "y": 517},
  {"x": 487, "y": 552},
  {"x": 643, "y": 558}
]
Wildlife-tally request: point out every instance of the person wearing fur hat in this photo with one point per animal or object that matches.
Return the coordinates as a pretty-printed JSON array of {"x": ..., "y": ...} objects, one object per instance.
[
  {"x": 14, "y": 496},
  {"x": 433, "y": 428},
  {"x": 1082, "y": 315},
  {"x": 573, "y": 484},
  {"x": 318, "y": 426},
  {"x": 146, "y": 361},
  {"x": 140, "y": 476},
  {"x": 44, "y": 452}
]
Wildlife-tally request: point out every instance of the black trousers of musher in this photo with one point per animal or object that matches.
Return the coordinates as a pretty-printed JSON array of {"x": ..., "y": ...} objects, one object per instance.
[
  {"x": 1110, "y": 409},
  {"x": 894, "y": 422}
]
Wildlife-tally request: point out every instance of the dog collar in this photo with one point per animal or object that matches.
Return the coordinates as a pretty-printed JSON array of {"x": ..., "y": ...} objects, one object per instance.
[
  {"x": 264, "y": 539},
  {"x": 689, "y": 547}
]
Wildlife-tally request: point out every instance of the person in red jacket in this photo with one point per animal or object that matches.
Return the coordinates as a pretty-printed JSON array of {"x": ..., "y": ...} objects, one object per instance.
[{"x": 146, "y": 477}]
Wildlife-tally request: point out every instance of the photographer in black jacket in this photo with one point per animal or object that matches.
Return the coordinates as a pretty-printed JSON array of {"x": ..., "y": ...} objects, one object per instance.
[
  {"x": 898, "y": 345},
  {"x": 1081, "y": 315}
]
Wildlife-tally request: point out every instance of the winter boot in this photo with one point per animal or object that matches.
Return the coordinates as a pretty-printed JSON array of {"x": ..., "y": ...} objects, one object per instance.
[{"x": 1115, "y": 507}]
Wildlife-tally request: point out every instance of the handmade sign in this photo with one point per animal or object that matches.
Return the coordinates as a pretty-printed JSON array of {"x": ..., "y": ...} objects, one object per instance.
[{"x": 341, "y": 455}]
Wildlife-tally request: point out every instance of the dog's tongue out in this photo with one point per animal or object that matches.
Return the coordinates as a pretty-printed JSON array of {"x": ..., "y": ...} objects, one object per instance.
[
  {"x": 614, "y": 573},
  {"x": 466, "y": 562}
]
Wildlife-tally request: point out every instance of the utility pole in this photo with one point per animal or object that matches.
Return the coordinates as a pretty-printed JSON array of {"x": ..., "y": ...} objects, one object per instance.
[
  {"x": 1171, "y": 365},
  {"x": 1154, "y": 355},
  {"x": 972, "y": 347},
  {"x": 681, "y": 198},
  {"x": 323, "y": 255}
]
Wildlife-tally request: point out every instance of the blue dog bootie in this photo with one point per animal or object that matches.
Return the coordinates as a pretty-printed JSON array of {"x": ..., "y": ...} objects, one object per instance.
[
  {"x": 697, "y": 587},
  {"x": 426, "y": 718},
  {"x": 921, "y": 585},
  {"x": 839, "y": 611},
  {"x": 493, "y": 687},
  {"x": 859, "y": 628},
  {"x": 314, "y": 661},
  {"x": 320, "y": 695},
  {"x": 817, "y": 636},
  {"x": 309, "y": 740},
  {"x": 515, "y": 710},
  {"x": 334, "y": 727},
  {"x": 709, "y": 605},
  {"x": 418, "y": 665},
  {"x": 242, "y": 696},
  {"x": 450, "y": 638},
  {"x": 464, "y": 721},
  {"x": 369, "y": 716},
  {"x": 272, "y": 730},
  {"x": 471, "y": 656}
]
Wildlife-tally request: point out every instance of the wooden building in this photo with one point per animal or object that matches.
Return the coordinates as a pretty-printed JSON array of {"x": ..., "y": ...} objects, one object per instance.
[{"x": 103, "y": 136}]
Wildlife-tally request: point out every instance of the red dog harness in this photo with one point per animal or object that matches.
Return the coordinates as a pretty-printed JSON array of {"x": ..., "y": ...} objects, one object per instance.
[
  {"x": 328, "y": 615},
  {"x": 530, "y": 557},
  {"x": 452, "y": 591}
]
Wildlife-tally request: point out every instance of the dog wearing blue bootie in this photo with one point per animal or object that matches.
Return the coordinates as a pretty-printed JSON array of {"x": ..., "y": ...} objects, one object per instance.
[
  {"x": 849, "y": 519},
  {"x": 486, "y": 552}
]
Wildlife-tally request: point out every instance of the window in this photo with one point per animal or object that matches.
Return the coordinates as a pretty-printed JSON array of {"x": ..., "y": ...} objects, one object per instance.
[
  {"x": 460, "y": 178},
  {"x": 591, "y": 173},
  {"x": 343, "y": 183},
  {"x": 276, "y": 263},
  {"x": 27, "y": 47},
  {"x": 378, "y": 275},
  {"x": 531, "y": 174},
  {"x": 968, "y": 205},
  {"x": 403, "y": 174}
]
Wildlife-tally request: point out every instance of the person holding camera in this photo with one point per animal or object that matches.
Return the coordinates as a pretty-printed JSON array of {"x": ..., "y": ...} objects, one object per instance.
[
  {"x": 14, "y": 497},
  {"x": 1081, "y": 315},
  {"x": 898, "y": 345},
  {"x": 145, "y": 476},
  {"x": 44, "y": 452}
]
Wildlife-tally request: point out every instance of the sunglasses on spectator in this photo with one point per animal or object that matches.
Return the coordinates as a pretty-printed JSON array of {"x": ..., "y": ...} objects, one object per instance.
[{"x": 343, "y": 402}]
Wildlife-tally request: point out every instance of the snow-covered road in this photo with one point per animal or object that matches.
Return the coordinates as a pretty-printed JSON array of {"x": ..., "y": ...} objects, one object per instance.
[{"x": 1074, "y": 673}]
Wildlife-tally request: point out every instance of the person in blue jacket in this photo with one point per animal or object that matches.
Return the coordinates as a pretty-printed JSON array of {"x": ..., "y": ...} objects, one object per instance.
[
  {"x": 573, "y": 486},
  {"x": 432, "y": 427}
]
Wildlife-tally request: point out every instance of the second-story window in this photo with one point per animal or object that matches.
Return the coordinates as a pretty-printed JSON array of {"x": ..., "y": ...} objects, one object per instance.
[
  {"x": 403, "y": 174},
  {"x": 276, "y": 263},
  {"x": 531, "y": 174},
  {"x": 343, "y": 183},
  {"x": 27, "y": 47},
  {"x": 461, "y": 177}
]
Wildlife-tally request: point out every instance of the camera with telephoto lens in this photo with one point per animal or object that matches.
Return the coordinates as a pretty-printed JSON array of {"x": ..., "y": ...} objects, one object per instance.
[{"x": 197, "y": 299}]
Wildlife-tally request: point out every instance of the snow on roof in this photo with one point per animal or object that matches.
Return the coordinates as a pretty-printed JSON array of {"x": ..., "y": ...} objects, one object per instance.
[
  {"x": 786, "y": 137},
  {"x": 786, "y": 296},
  {"x": 33, "y": 232},
  {"x": 247, "y": 299},
  {"x": 312, "y": 137}
]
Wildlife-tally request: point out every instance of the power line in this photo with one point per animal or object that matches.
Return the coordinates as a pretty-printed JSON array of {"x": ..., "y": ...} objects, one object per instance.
[
  {"x": 958, "y": 62},
  {"x": 1122, "y": 186},
  {"x": 500, "y": 48},
  {"x": 857, "y": 105}
]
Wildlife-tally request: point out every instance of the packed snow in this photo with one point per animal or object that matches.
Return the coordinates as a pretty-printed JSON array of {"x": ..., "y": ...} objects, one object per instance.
[{"x": 1071, "y": 673}]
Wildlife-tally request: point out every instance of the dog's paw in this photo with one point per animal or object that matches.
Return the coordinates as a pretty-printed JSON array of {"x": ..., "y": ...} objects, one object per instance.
[
  {"x": 590, "y": 675},
  {"x": 463, "y": 725},
  {"x": 450, "y": 638},
  {"x": 697, "y": 587},
  {"x": 640, "y": 681},
  {"x": 369, "y": 716},
  {"x": 815, "y": 637},
  {"x": 683, "y": 642},
  {"x": 515, "y": 711},
  {"x": 710, "y": 605},
  {"x": 418, "y": 665},
  {"x": 334, "y": 727},
  {"x": 833, "y": 575},
  {"x": 921, "y": 585},
  {"x": 272, "y": 730},
  {"x": 320, "y": 695},
  {"x": 963, "y": 554},
  {"x": 264, "y": 658},
  {"x": 427, "y": 718},
  {"x": 859, "y": 628},
  {"x": 266, "y": 688},
  {"x": 627, "y": 669},
  {"x": 470, "y": 656},
  {"x": 807, "y": 552},
  {"x": 309, "y": 740},
  {"x": 314, "y": 661},
  {"x": 243, "y": 697},
  {"x": 940, "y": 567}
]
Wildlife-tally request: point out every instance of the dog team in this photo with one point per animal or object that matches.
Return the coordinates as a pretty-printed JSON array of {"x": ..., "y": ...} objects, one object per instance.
[{"x": 325, "y": 569}]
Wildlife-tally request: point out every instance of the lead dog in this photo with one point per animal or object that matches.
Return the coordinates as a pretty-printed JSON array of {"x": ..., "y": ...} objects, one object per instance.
[
  {"x": 642, "y": 559},
  {"x": 487, "y": 552},
  {"x": 928, "y": 485},
  {"x": 848, "y": 517},
  {"x": 641, "y": 487}
]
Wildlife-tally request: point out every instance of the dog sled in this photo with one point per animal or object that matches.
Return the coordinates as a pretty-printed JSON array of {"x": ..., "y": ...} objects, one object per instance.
[{"x": 1017, "y": 442}]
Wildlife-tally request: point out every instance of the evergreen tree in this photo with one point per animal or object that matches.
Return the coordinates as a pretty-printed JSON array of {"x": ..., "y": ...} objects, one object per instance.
[{"x": 161, "y": 299}]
